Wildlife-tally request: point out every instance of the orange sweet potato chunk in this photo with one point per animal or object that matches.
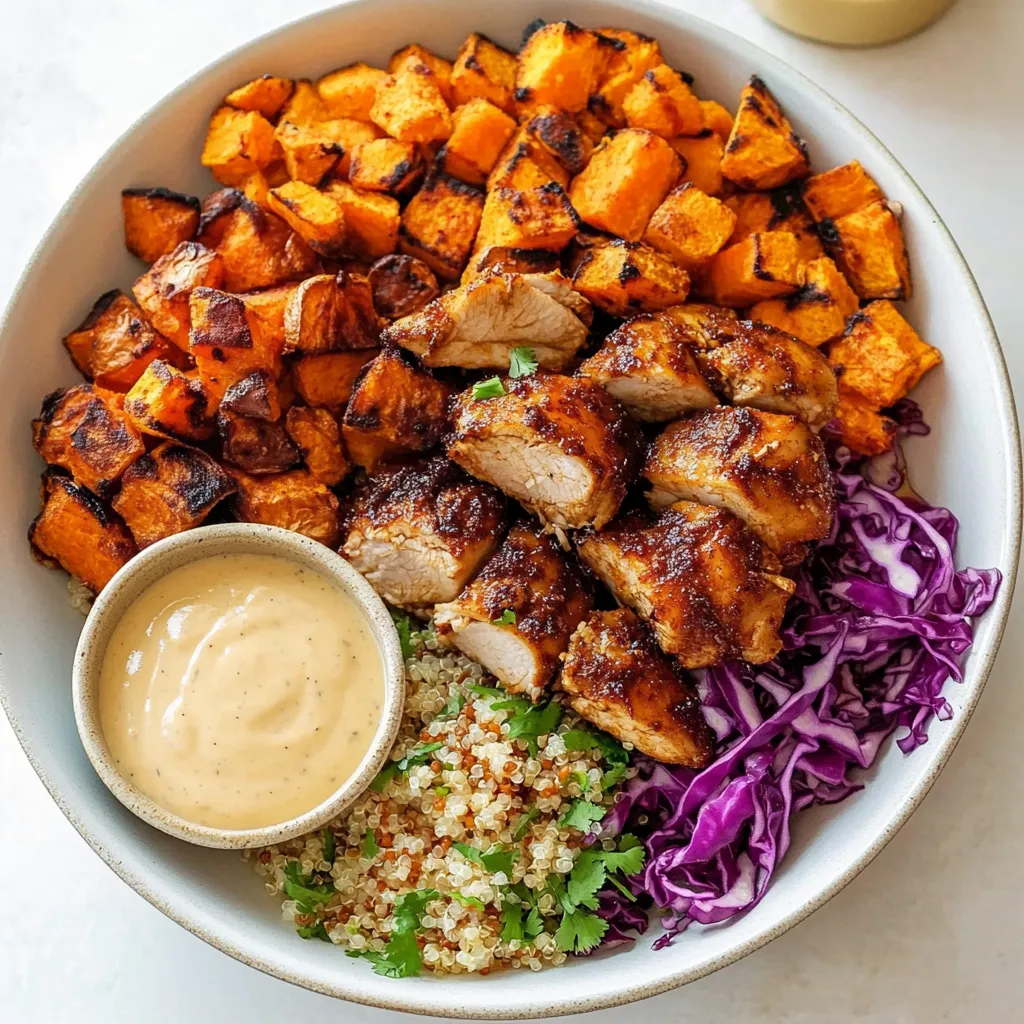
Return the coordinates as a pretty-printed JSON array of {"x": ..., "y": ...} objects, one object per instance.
[
  {"x": 371, "y": 220},
  {"x": 625, "y": 278},
  {"x": 841, "y": 190},
  {"x": 630, "y": 55},
  {"x": 781, "y": 209},
  {"x": 423, "y": 61},
  {"x": 331, "y": 313},
  {"x": 315, "y": 216},
  {"x": 256, "y": 397},
  {"x": 318, "y": 436},
  {"x": 690, "y": 226},
  {"x": 559, "y": 66},
  {"x": 410, "y": 106},
  {"x": 535, "y": 218},
  {"x": 525, "y": 163},
  {"x": 662, "y": 103},
  {"x": 304, "y": 106},
  {"x": 168, "y": 403},
  {"x": 479, "y": 133},
  {"x": 327, "y": 380},
  {"x": 294, "y": 501},
  {"x": 763, "y": 266},
  {"x": 868, "y": 247},
  {"x": 157, "y": 220},
  {"x": 717, "y": 118},
  {"x": 440, "y": 223},
  {"x": 483, "y": 70},
  {"x": 237, "y": 143},
  {"x": 386, "y": 165},
  {"x": 266, "y": 95},
  {"x": 702, "y": 159},
  {"x": 561, "y": 137},
  {"x": 350, "y": 91},
  {"x": 861, "y": 426}
]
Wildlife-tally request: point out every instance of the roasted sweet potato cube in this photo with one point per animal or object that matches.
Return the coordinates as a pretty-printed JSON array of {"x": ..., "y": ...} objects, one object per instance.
[
  {"x": 763, "y": 151},
  {"x": 525, "y": 163},
  {"x": 172, "y": 489},
  {"x": 157, "y": 220},
  {"x": 401, "y": 286},
  {"x": 782, "y": 209},
  {"x": 396, "y": 408},
  {"x": 349, "y": 133},
  {"x": 631, "y": 55},
  {"x": 304, "y": 106},
  {"x": 295, "y": 501},
  {"x": 386, "y": 165},
  {"x": 82, "y": 431},
  {"x": 266, "y": 95},
  {"x": 626, "y": 180},
  {"x": 331, "y": 313},
  {"x": 257, "y": 248},
  {"x": 318, "y": 436},
  {"x": 310, "y": 154},
  {"x": 165, "y": 402},
  {"x": 504, "y": 260},
  {"x": 255, "y": 445},
  {"x": 841, "y": 190},
  {"x": 419, "y": 57},
  {"x": 535, "y": 218},
  {"x": 328, "y": 379},
  {"x": 559, "y": 66},
  {"x": 662, "y": 103},
  {"x": 257, "y": 189},
  {"x": 256, "y": 397},
  {"x": 717, "y": 118},
  {"x": 559, "y": 134},
  {"x": 479, "y": 133},
  {"x": 315, "y": 216},
  {"x": 410, "y": 106},
  {"x": 371, "y": 220},
  {"x": 868, "y": 247},
  {"x": 483, "y": 70},
  {"x": 78, "y": 532},
  {"x": 818, "y": 311},
  {"x": 440, "y": 223},
  {"x": 881, "y": 357},
  {"x": 861, "y": 426},
  {"x": 763, "y": 266},
  {"x": 702, "y": 160},
  {"x": 237, "y": 143},
  {"x": 690, "y": 226},
  {"x": 114, "y": 344},
  {"x": 270, "y": 306},
  {"x": 624, "y": 278},
  {"x": 229, "y": 341},
  {"x": 351, "y": 91}
]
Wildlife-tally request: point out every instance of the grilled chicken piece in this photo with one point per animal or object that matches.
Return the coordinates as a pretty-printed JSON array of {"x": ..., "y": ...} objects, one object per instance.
[
  {"x": 648, "y": 364},
  {"x": 419, "y": 532},
  {"x": 560, "y": 445},
  {"x": 752, "y": 364},
  {"x": 617, "y": 678},
  {"x": 705, "y": 584},
  {"x": 770, "y": 470},
  {"x": 477, "y": 325},
  {"x": 517, "y": 616}
]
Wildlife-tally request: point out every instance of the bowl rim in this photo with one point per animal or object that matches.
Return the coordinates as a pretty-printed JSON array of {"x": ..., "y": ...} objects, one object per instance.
[
  {"x": 151, "y": 565},
  {"x": 630, "y": 991}
]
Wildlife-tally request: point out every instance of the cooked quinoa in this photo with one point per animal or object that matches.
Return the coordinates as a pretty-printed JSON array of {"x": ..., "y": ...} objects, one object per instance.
[{"x": 479, "y": 790}]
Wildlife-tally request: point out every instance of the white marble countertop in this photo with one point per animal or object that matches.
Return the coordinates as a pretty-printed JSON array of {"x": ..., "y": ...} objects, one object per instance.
[{"x": 930, "y": 931}]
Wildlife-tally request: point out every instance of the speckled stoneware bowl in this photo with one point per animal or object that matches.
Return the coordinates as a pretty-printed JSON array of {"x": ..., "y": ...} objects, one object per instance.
[
  {"x": 969, "y": 463},
  {"x": 208, "y": 541}
]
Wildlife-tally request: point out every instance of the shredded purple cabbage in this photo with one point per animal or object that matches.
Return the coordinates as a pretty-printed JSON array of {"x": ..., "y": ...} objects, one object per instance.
[{"x": 879, "y": 622}]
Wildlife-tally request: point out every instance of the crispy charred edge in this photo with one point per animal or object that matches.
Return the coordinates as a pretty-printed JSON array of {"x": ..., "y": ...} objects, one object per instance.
[
  {"x": 400, "y": 271},
  {"x": 229, "y": 200},
  {"x": 437, "y": 179},
  {"x": 257, "y": 446},
  {"x": 53, "y": 480},
  {"x": 758, "y": 267},
  {"x": 250, "y": 397},
  {"x": 164, "y": 194},
  {"x": 787, "y": 202},
  {"x": 517, "y": 208},
  {"x": 193, "y": 476},
  {"x": 197, "y": 398},
  {"x": 470, "y": 60},
  {"x": 99, "y": 307},
  {"x": 829, "y": 235},
  {"x": 530, "y": 30},
  {"x": 390, "y": 352},
  {"x": 807, "y": 293},
  {"x": 563, "y": 136},
  {"x": 224, "y": 323}
]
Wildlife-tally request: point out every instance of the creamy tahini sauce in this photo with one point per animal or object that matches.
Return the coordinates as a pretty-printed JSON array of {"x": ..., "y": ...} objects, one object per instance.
[{"x": 240, "y": 691}]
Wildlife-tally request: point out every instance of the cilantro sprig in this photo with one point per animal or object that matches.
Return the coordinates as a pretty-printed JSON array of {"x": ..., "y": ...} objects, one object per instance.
[
  {"x": 307, "y": 893},
  {"x": 490, "y": 388},
  {"x": 401, "y": 957},
  {"x": 494, "y": 860},
  {"x": 522, "y": 362},
  {"x": 582, "y": 814},
  {"x": 403, "y": 624},
  {"x": 615, "y": 755},
  {"x": 506, "y": 618},
  {"x": 419, "y": 755}
]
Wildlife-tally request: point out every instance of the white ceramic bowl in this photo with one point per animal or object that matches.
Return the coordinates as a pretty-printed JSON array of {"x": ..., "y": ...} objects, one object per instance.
[
  {"x": 157, "y": 561},
  {"x": 971, "y": 463}
]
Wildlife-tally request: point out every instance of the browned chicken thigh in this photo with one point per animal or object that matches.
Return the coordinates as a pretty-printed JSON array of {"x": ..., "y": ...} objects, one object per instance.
[
  {"x": 517, "y": 616},
  {"x": 707, "y": 586},
  {"x": 617, "y": 678}
]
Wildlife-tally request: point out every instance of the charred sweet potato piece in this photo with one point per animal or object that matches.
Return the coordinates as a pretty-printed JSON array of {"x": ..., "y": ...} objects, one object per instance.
[
  {"x": 315, "y": 216},
  {"x": 256, "y": 397},
  {"x": 410, "y": 106},
  {"x": 157, "y": 220},
  {"x": 331, "y": 313},
  {"x": 631, "y": 55},
  {"x": 172, "y": 489},
  {"x": 483, "y": 70},
  {"x": 114, "y": 344},
  {"x": 396, "y": 408},
  {"x": 350, "y": 91},
  {"x": 371, "y": 220},
  {"x": 818, "y": 311},
  {"x": 257, "y": 248},
  {"x": 255, "y": 445},
  {"x": 295, "y": 501},
  {"x": 763, "y": 151},
  {"x": 559, "y": 66},
  {"x": 535, "y": 218},
  {"x": 237, "y": 143},
  {"x": 479, "y": 133},
  {"x": 559, "y": 134},
  {"x": 690, "y": 226},
  {"x": 881, "y": 357},
  {"x": 661, "y": 102},
  {"x": 841, "y": 190},
  {"x": 416, "y": 57},
  {"x": 266, "y": 95},
  {"x": 860, "y": 425},
  {"x": 702, "y": 160},
  {"x": 167, "y": 403},
  {"x": 782, "y": 209},
  {"x": 626, "y": 180},
  {"x": 440, "y": 223},
  {"x": 401, "y": 285},
  {"x": 315, "y": 151},
  {"x": 868, "y": 247},
  {"x": 624, "y": 278},
  {"x": 762, "y": 266},
  {"x": 78, "y": 532},
  {"x": 717, "y": 118},
  {"x": 505, "y": 260},
  {"x": 318, "y": 437},
  {"x": 84, "y": 432},
  {"x": 525, "y": 163},
  {"x": 386, "y": 165},
  {"x": 328, "y": 379},
  {"x": 304, "y": 106},
  {"x": 270, "y": 306}
]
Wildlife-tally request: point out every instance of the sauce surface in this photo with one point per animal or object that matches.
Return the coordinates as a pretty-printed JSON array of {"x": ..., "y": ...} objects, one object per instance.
[{"x": 240, "y": 691}]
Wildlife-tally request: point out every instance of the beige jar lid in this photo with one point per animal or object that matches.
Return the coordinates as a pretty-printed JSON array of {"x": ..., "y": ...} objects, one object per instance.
[{"x": 853, "y": 22}]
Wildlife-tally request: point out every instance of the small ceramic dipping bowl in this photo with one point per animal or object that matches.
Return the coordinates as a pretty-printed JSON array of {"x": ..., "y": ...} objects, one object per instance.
[{"x": 158, "y": 560}]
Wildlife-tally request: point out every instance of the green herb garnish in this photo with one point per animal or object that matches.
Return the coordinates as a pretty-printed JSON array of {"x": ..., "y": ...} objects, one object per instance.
[
  {"x": 490, "y": 388},
  {"x": 468, "y": 901},
  {"x": 329, "y": 844},
  {"x": 495, "y": 860},
  {"x": 525, "y": 820},
  {"x": 456, "y": 702},
  {"x": 534, "y": 721},
  {"x": 582, "y": 814},
  {"x": 522, "y": 362},
  {"x": 306, "y": 893},
  {"x": 580, "y": 932},
  {"x": 419, "y": 755},
  {"x": 506, "y": 618},
  {"x": 316, "y": 931},
  {"x": 401, "y": 957},
  {"x": 403, "y": 625},
  {"x": 370, "y": 847}
]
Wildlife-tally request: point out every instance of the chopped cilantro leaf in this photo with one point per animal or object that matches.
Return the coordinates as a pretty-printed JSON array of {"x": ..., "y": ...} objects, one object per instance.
[
  {"x": 587, "y": 879},
  {"x": 629, "y": 858},
  {"x": 317, "y": 931},
  {"x": 486, "y": 691},
  {"x": 384, "y": 776},
  {"x": 404, "y": 627},
  {"x": 370, "y": 847},
  {"x": 525, "y": 820},
  {"x": 418, "y": 755},
  {"x": 534, "y": 924},
  {"x": 456, "y": 702},
  {"x": 500, "y": 860},
  {"x": 512, "y": 922},
  {"x": 583, "y": 739},
  {"x": 506, "y": 618},
  {"x": 613, "y": 776},
  {"x": 470, "y": 853},
  {"x": 329, "y": 844},
  {"x": 304, "y": 891},
  {"x": 534, "y": 722},
  {"x": 582, "y": 780},
  {"x": 516, "y": 704},
  {"x": 408, "y": 908},
  {"x": 582, "y": 814},
  {"x": 490, "y": 388},
  {"x": 522, "y": 362},
  {"x": 468, "y": 901},
  {"x": 580, "y": 932},
  {"x": 625, "y": 892}
]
